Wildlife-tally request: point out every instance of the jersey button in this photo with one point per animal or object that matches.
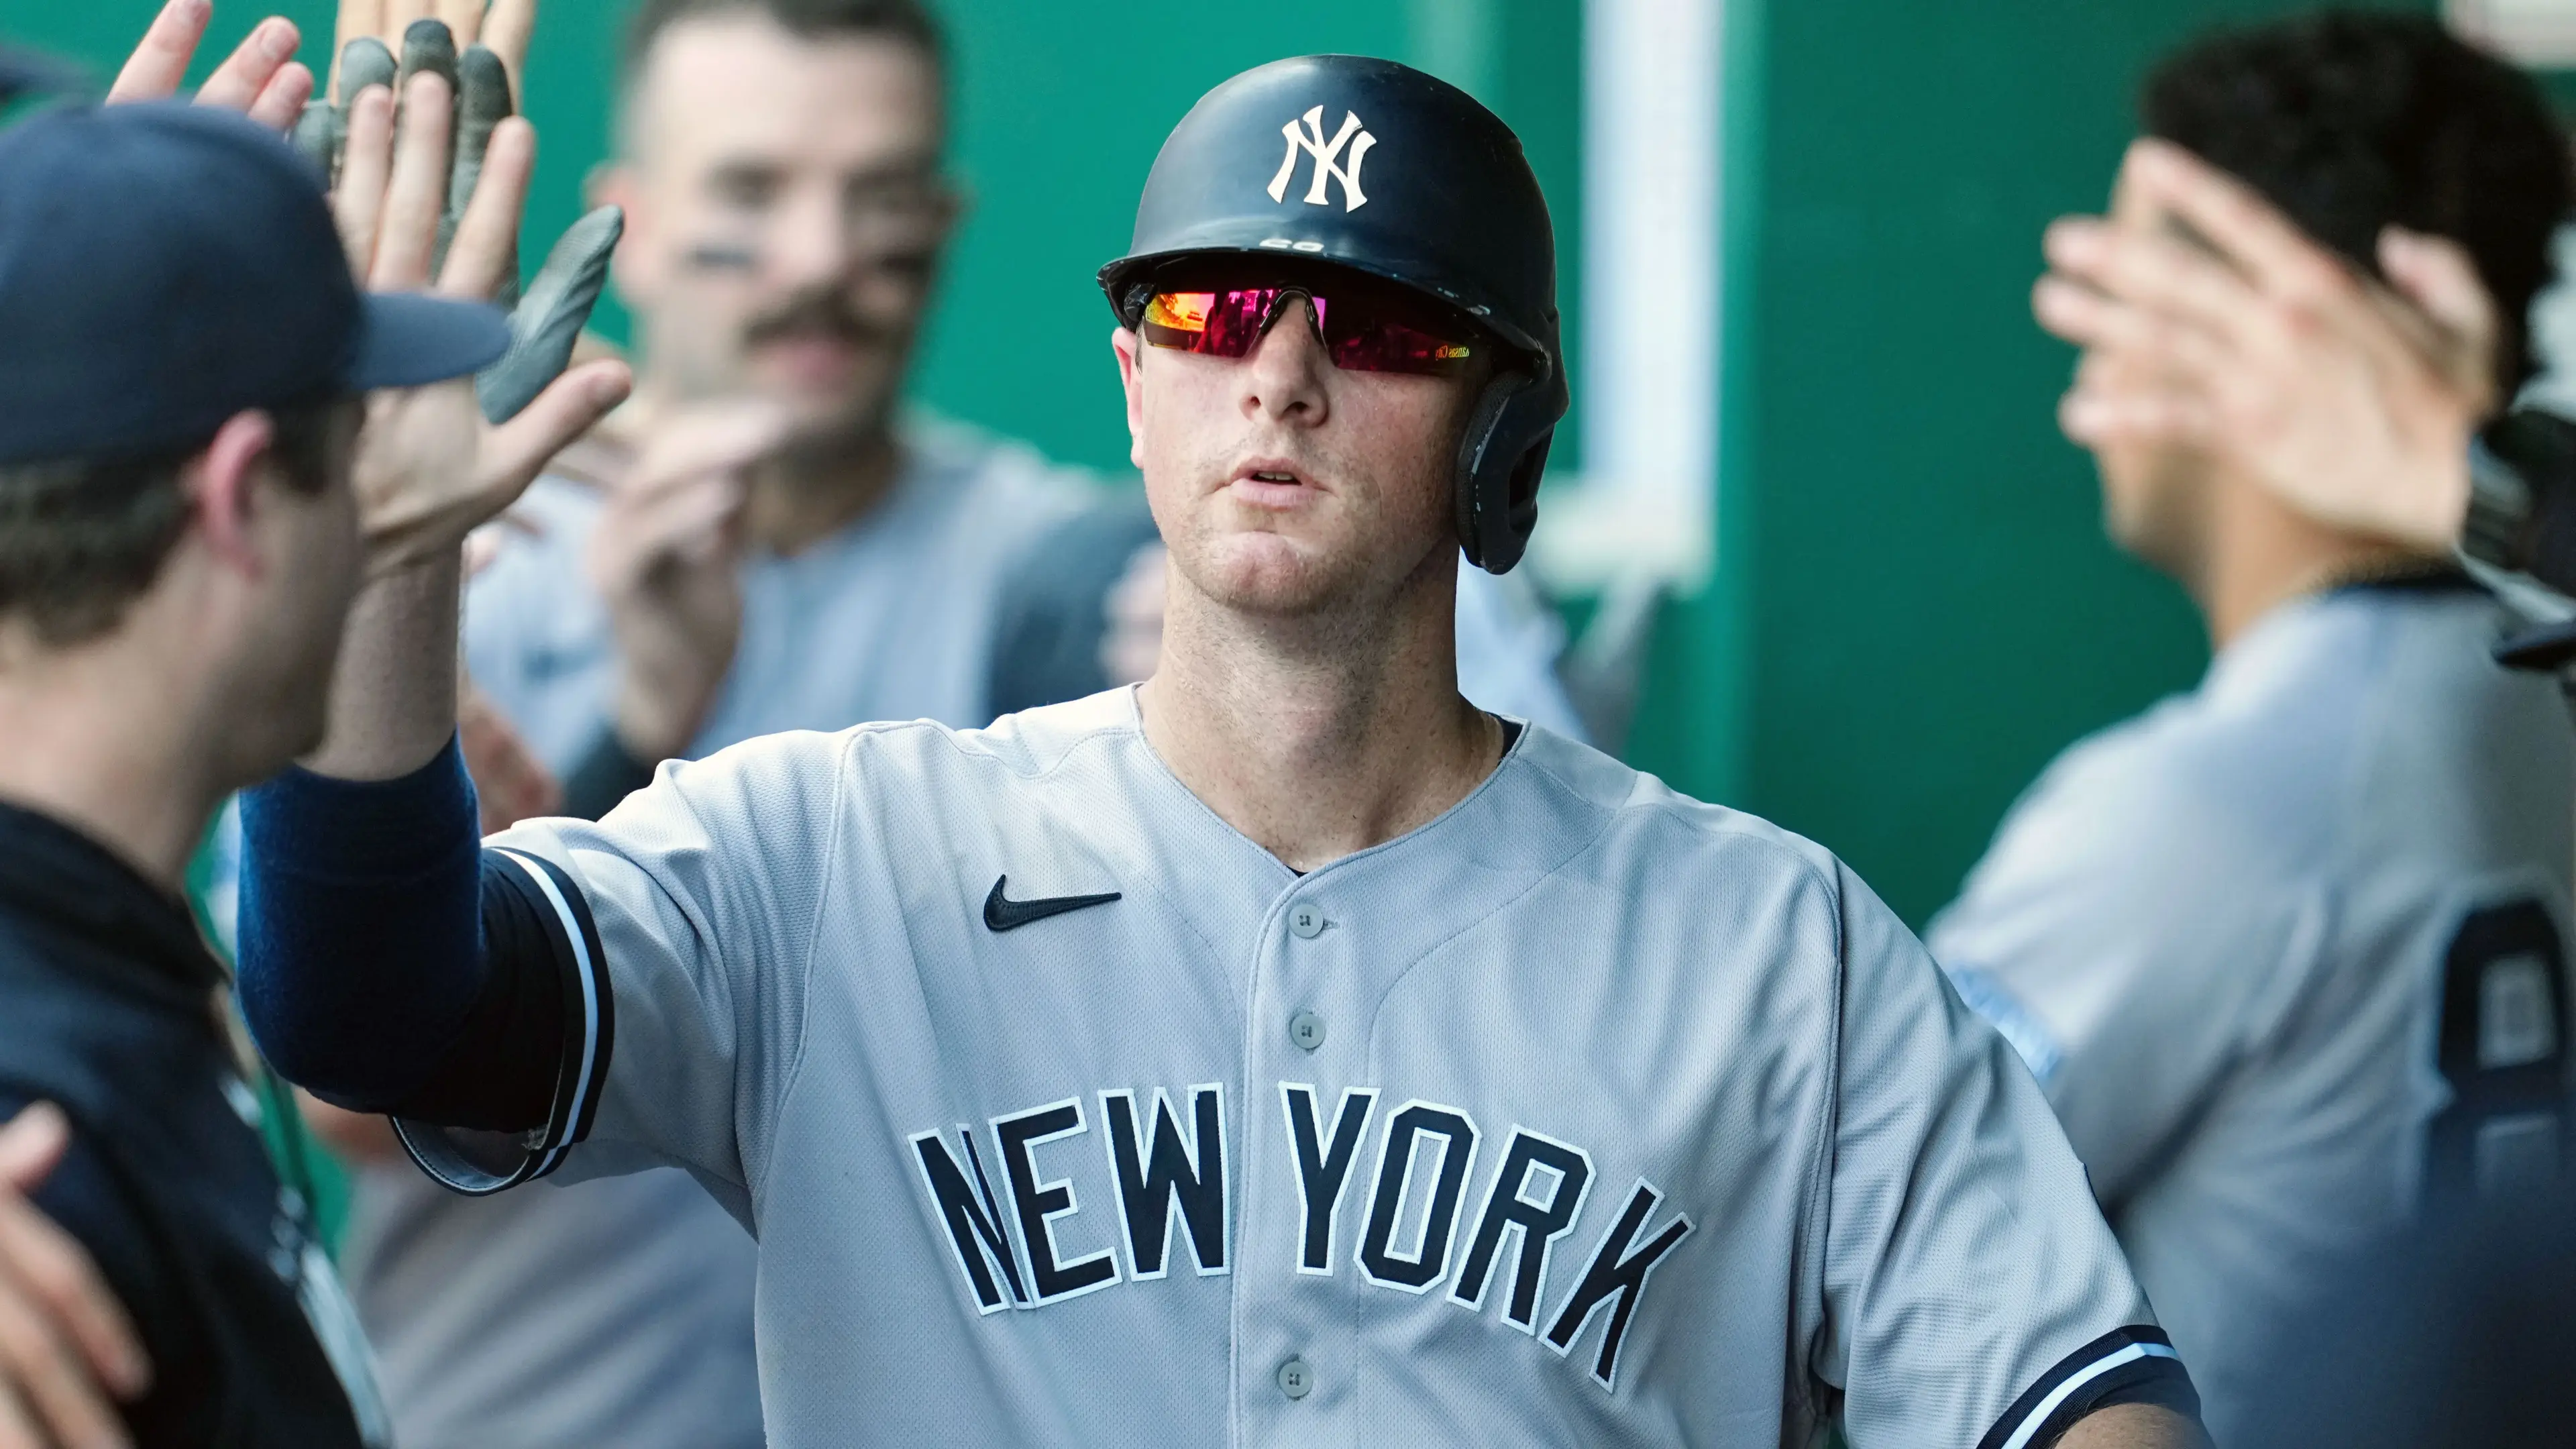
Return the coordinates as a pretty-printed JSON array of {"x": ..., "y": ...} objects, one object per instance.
[
  {"x": 1306, "y": 1029},
  {"x": 1295, "y": 1379},
  {"x": 1305, "y": 922}
]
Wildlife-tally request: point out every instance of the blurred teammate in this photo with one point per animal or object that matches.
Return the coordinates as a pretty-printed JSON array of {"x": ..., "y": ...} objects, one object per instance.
[
  {"x": 766, "y": 542},
  {"x": 2287, "y": 953},
  {"x": 2352, "y": 398},
  {"x": 193, "y": 464}
]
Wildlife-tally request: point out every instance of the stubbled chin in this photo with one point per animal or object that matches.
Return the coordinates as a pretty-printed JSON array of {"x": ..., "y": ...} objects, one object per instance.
[{"x": 1264, "y": 573}]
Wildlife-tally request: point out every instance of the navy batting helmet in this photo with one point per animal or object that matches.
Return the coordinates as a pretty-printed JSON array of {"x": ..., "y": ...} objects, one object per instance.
[{"x": 1371, "y": 165}]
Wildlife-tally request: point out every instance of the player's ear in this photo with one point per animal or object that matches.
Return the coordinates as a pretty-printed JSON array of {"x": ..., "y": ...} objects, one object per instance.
[
  {"x": 1131, "y": 366},
  {"x": 222, "y": 485}
]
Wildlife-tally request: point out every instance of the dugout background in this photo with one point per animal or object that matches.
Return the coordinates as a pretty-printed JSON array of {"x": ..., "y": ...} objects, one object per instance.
[{"x": 1912, "y": 607}]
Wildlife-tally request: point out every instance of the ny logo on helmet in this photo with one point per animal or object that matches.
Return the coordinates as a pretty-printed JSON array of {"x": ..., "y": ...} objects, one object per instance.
[{"x": 1306, "y": 134}]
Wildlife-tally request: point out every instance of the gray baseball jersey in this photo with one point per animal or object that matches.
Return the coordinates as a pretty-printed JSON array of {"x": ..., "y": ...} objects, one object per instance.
[
  {"x": 2286, "y": 953},
  {"x": 1064, "y": 1113},
  {"x": 621, "y": 1309}
]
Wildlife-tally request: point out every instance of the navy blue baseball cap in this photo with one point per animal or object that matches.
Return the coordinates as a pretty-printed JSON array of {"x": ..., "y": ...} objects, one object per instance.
[{"x": 165, "y": 266}]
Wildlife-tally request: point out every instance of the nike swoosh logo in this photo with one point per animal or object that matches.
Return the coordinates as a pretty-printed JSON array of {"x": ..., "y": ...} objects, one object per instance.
[{"x": 1001, "y": 913}]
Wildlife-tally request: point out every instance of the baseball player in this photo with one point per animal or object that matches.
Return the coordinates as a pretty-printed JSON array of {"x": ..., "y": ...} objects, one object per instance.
[
  {"x": 2287, "y": 954},
  {"x": 1283, "y": 1050}
]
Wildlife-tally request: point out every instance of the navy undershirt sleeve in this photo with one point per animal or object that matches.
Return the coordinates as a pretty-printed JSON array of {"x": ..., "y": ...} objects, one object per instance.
[{"x": 384, "y": 965}]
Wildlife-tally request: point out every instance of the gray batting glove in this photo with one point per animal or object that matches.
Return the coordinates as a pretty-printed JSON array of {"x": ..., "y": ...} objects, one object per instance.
[{"x": 547, "y": 319}]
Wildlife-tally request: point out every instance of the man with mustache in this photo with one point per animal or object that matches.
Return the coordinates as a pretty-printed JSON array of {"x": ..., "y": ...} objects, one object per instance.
[{"x": 760, "y": 541}]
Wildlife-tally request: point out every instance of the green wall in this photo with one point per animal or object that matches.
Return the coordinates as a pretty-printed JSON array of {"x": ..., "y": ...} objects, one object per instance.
[{"x": 1915, "y": 607}]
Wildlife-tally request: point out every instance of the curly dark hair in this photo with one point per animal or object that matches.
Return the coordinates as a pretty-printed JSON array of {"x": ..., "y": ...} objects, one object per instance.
[{"x": 2352, "y": 121}]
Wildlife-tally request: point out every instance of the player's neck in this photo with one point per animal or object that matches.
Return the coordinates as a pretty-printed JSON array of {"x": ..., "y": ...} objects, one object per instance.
[
  {"x": 1316, "y": 743},
  {"x": 816, "y": 490},
  {"x": 94, "y": 742},
  {"x": 2262, "y": 555},
  {"x": 817, "y": 486}
]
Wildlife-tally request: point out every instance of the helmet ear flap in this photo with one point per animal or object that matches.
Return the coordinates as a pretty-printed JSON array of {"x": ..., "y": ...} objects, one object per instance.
[{"x": 1500, "y": 460}]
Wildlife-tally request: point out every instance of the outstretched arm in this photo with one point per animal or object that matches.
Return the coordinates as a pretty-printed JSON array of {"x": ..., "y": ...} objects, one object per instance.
[{"x": 381, "y": 964}]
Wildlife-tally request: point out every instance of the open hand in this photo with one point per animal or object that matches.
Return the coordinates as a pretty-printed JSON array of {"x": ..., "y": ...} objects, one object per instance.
[
  {"x": 666, "y": 557},
  {"x": 478, "y": 52},
  {"x": 429, "y": 467},
  {"x": 261, "y": 78},
  {"x": 499, "y": 26},
  {"x": 2351, "y": 401}
]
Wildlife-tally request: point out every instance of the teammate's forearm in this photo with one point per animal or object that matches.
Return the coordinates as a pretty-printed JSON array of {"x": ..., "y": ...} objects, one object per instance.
[{"x": 393, "y": 699}]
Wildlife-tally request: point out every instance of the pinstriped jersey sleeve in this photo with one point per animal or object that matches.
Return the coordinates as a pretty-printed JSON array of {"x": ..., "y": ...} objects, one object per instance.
[
  {"x": 1973, "y": 1294},
  {"x": 684, "y": 922}
]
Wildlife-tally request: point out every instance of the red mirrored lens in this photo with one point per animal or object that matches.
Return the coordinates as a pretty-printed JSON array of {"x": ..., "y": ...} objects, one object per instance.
[
  {"x": 1218, "y": 324},
  {"x": 1382, "y": 344},
  {"x": 1360, "y": 333}
]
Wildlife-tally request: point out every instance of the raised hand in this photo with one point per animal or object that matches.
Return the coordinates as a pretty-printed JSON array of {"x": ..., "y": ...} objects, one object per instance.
[
  {"x": 261, "y": 78},
  {"x": 666, "y": 558},
  {"x": 480, "y": 78},
  {"x": 499, "y": 26},
  {"x": 66, "y": 1345},
  {"x": 429, "y": 467},
  {"x": 2350, "y": 401}
]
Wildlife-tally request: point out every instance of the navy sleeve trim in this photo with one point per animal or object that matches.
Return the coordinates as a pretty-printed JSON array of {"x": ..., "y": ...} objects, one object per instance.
[
  {"x": 551, "y": 921},
  {"x": 2133, "y": 1364}
]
